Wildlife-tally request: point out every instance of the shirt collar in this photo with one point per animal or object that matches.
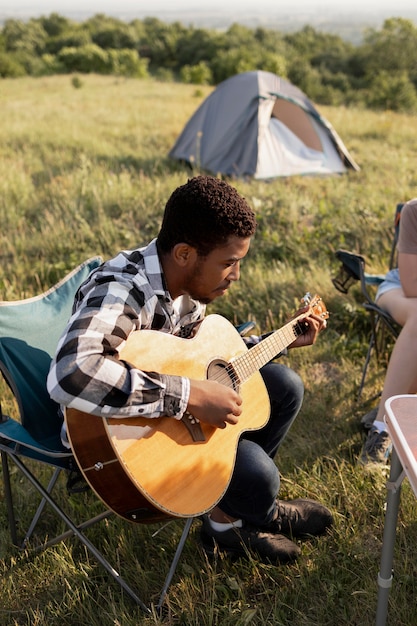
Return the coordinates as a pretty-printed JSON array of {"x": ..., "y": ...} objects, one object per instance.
[
  {"x": 154, "y": 271},
  {"x": 184, "y": 304}
]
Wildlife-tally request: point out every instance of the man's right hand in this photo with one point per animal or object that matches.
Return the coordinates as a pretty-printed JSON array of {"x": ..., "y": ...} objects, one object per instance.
[{"x": 214, "y": 403}]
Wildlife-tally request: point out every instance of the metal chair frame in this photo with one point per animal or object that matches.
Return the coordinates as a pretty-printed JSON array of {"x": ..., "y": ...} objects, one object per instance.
[
  {"x": 18, "y": 444},
  {"x": 383, "y": 326}
]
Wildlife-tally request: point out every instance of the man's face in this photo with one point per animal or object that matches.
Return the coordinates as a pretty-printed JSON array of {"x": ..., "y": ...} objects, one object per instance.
[{"x": 209, "y": 277}]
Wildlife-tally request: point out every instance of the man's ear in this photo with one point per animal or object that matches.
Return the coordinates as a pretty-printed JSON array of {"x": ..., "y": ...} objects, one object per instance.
[{"x": 183, "y": 253}]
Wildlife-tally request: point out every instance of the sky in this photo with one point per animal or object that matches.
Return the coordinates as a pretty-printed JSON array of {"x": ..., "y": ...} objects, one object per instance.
[{"x": 40, "y": 7}]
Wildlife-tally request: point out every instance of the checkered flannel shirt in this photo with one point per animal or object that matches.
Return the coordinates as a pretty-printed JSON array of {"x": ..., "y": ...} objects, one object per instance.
[{"x": 125, "y": 294}]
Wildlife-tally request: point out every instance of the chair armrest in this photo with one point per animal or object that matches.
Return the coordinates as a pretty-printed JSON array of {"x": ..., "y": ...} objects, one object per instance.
[{"x": 351, "y": 270}]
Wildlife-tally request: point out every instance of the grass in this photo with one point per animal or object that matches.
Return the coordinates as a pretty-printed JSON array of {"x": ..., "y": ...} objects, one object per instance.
[{"x": 84, "y": 172}]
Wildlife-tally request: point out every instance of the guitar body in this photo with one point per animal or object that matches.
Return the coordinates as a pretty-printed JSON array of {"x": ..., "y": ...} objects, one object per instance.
[{"x": 146, "y": 469}]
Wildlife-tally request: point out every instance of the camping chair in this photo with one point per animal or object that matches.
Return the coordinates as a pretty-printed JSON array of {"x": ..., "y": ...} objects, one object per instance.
[
  {"x": 352, "y": 271},
  {"x": 29, "y": 333}
]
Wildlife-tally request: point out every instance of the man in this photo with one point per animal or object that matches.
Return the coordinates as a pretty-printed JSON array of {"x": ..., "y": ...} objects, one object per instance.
[{"x": 205, "y": 233}]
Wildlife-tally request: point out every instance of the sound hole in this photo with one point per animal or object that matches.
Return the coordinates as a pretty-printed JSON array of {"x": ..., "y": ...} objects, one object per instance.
[{"x": 223, "y": 372}]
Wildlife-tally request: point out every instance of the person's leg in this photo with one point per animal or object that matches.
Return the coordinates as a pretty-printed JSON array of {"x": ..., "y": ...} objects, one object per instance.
[
  {"x": 401, "y": 374},
  {"x": 253, "y": 489},
  {"x": 286, "y": 392},
  {"x": 252, "y": 492},
  {"x": 235, "y": 525}
]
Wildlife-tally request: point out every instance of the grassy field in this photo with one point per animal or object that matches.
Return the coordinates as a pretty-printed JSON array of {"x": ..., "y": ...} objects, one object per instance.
[{"x": 85, "y": 171}]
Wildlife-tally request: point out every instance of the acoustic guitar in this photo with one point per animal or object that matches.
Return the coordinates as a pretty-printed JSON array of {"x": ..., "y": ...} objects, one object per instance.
[{"x": 148, "y": 469}]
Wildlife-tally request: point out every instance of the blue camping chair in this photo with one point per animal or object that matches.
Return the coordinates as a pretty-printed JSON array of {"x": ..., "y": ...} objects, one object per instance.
[
  {"x": 353, "y": 270},
  {"x": 29, "y": 333}
]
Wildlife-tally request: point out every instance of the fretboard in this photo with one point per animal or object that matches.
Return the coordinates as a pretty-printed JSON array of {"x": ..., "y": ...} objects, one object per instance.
[{"x": 260, "y": 354}]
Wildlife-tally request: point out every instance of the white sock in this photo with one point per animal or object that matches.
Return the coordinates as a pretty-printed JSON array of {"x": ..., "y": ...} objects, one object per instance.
[
  {"x": 380, "y": 426},
  {"x": 222, "y": 526}
]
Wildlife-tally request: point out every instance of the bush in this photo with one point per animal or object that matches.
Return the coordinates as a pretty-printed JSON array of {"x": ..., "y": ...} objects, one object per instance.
[
  {"x": 76, "y": 82},
  {"x": 127, "y": 63},
  {"x": 392, "y": 91},
  {"x": 48, "y": 66},
  {"x": 10, "y": 66},
  {"x": 164, "y": 75},
  {"x": 199, "y": 74},
  {"x": 72, "y": 39},
  {"x": 86, "y": 59}
]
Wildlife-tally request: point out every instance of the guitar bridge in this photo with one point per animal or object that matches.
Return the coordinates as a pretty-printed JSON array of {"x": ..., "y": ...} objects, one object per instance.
[{"x": 193, "y": 426}]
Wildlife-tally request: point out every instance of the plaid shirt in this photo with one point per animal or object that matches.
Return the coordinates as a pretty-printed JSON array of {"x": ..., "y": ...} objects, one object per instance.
[{"x": 125, "y": 294}]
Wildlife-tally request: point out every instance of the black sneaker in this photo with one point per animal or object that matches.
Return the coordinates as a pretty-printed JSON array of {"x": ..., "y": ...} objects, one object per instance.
[
  {"x": 301, "y": 517},
  {"x": 238, "y": 542},
  {"x": 376, "y": 449},
  {"x": 368, "y": 419}
]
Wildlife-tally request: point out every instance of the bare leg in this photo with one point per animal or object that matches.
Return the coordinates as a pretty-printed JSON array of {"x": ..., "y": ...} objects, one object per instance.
[{"x": 401, "y": 375}]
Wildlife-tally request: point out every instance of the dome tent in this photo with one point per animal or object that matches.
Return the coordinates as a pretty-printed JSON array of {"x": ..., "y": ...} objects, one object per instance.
[{"x": 258, "y": 124}]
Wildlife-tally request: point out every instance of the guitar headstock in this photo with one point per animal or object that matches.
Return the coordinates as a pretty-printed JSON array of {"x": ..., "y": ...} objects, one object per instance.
[{"x": 316, "y": 305}]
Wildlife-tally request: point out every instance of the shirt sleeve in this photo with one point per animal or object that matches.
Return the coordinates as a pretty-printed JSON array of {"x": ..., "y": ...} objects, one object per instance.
[{"x": 87, "y": 374}]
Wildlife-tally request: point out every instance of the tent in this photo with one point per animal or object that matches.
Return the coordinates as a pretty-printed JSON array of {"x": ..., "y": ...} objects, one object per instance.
[{"x": 258, "y": 124}]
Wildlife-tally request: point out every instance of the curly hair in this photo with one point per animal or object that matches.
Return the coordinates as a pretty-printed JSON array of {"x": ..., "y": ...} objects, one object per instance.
[{"x": 204, "y": 213}]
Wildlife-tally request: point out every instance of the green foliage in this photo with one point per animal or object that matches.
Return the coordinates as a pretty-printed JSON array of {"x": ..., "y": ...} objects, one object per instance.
[
  {"x": 120, "y": 36},
  {"x": 48, "y": 65},
  {"x": 199, "y": 74},
  {"x": 87, "y": 59},
  {"x": 164, "y": 75},
  {"x": 126, "y": 62},
  {"x": 10, "y": 66},
  {"x": 91, "y": 58},
  {"x": 71, "y": 38},
  {"x": 392, "y": 48},
  {"x": 392, "y": 90},
  {"x": 380, "y": 73},
  {"x": 29, "y": 37},
  {"x": 55, "y": 24},
  {"x": 76, "y": 82}
]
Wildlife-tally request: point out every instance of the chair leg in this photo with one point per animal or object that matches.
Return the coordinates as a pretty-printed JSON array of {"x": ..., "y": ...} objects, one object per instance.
[
  {"x": 174, "y": 562},
  {"x": 9, "y": 498},
  {"x": 83, "y": 526},
  {"x": 77, "y": 532},
  {"x": 366, "y": 364},
  {"x": 379, "y": 328},
  {"x": 41, "y": 507}
]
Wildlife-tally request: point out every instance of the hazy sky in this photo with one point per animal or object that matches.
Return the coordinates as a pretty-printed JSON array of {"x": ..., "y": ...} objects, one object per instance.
[{"x": 37, "y": 7}]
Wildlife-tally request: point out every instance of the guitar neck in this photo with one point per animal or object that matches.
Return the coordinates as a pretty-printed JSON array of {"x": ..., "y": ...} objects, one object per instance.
[{"x": 260, "y": 354}]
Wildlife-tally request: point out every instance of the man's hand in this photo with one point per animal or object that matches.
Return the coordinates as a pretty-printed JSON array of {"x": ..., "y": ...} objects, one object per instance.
[
  {"x": 214, "y": 403},
  {"x": 313, "y": 324}
]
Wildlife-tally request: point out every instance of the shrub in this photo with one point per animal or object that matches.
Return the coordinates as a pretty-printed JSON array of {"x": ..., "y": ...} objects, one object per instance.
[
  {"x": 86, "y": 59},
  {"x": 127, "y": 63},
  {"x": 392, "y": 91},
  {"x": 199, "y": 74},
  {"x": 10, "y": 66}
]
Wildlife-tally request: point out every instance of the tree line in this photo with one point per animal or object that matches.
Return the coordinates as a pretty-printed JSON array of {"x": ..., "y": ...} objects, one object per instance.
[{"x": 380, "y": 73}]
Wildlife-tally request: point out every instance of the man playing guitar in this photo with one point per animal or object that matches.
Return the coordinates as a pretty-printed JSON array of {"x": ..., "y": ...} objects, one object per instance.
[{"x": 206, "y": 231}]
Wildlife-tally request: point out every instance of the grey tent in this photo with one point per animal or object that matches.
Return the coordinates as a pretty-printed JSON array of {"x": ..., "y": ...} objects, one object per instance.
[{"x": 258, "y": 124}]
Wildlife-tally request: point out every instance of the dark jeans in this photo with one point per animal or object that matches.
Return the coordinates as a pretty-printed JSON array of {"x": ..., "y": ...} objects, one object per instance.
[{"x": 253, "y": 489}]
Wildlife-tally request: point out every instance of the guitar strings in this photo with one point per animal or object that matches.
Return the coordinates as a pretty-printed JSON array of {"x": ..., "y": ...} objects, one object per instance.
[{"x": 243, "y": 366}]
